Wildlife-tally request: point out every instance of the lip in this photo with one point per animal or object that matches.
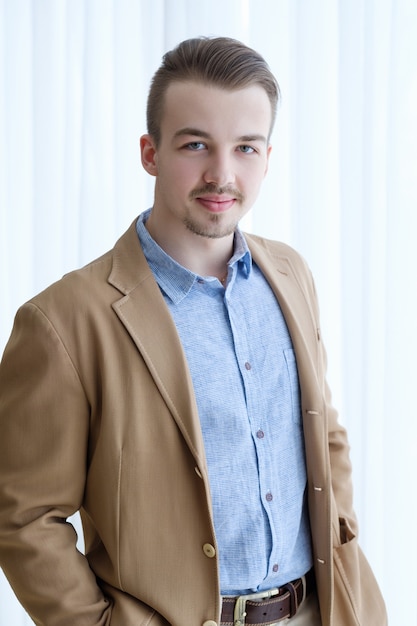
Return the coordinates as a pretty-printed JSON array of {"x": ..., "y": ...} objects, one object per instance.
[{"x": 216, "y": 204}]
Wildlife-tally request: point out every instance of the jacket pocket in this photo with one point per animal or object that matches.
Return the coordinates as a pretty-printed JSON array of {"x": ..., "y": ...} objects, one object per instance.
[
  {"x": 357, "y": 598},
  {"x": 129, "y": 611}
]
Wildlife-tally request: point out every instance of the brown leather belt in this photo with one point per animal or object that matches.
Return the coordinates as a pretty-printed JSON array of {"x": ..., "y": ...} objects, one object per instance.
[{"x": 277, "y": 604}]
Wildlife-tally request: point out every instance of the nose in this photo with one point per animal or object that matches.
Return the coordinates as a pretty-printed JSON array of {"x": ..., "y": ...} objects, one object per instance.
[{"x": 219, "y": 170}]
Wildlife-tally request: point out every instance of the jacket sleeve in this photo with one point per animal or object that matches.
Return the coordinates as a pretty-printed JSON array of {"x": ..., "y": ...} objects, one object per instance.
[
  {"x": 357, "y": 598},
  {"x": 341, "y": 473},
  {"x": 338, "y": 443},
  {"x": 44, "y": 423}
]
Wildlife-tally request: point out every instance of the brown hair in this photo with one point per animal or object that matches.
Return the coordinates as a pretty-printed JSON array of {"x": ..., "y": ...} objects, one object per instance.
[{"x": 219, "y": 61}]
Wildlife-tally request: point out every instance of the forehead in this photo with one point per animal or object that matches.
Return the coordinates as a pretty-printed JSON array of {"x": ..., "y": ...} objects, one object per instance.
[{"x": 216, "y": 110}]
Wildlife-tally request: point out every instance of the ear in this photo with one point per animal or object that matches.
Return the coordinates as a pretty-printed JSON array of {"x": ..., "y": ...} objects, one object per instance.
[
  {"x": 268, "y": 154},
  {"x": 148, "y": 155}
]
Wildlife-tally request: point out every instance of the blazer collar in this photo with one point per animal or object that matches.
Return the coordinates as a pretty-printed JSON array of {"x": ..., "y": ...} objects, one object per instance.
[{"x": 277, "y": 269}]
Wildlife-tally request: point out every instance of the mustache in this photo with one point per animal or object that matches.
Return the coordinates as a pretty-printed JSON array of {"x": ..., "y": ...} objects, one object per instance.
[{"x": 211, "y": 188}]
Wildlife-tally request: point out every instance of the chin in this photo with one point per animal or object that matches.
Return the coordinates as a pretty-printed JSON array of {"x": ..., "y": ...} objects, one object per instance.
[
  {"x": 211, "y": 231},
  {"x": 217, "y": 227}
]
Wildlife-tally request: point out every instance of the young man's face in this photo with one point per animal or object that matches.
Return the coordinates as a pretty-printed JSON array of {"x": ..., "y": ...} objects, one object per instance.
[{"x": 211, "y": 160}]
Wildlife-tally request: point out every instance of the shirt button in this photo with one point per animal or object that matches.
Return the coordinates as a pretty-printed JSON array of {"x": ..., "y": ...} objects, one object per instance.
[
  {"x": 269, "y": 497},
  {"x": 275, "y": 567},
  {"x": 209, "y": 550},
  {"x": 248, "y": 365},
  {"x": 260, "y": 434}
]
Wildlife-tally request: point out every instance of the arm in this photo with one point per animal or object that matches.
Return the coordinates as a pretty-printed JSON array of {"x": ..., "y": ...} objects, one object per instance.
[
  {"x": 338, "y": 443},
  {"x": 44, "y": 424},
  {"x": 341, "y": 473}
]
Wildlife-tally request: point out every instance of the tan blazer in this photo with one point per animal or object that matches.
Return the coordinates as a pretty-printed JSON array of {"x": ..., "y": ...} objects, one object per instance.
[{"x": 97, "y": 413}]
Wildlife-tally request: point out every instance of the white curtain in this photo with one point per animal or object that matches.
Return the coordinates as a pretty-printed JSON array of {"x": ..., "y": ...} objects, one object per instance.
[{"x": 342, "y": 188}]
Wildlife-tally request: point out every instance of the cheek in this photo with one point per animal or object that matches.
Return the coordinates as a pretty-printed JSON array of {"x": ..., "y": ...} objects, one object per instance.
[
  {"x": 176, "y": 180},
  {"x": 177, "y": 167},
  {"x": 252, "y": 179}
]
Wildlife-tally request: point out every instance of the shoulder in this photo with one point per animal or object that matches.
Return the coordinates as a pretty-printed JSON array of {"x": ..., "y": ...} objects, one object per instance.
[
  {"x": 91, "y": 284},
  {"x": 76, "y": 288},
  {"x": 276, "y": 251},
  {"x": 274, "y": 247}
]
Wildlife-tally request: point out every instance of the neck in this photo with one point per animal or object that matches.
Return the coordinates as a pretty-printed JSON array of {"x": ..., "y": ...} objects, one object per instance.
[{"x": 202, "y": 255}]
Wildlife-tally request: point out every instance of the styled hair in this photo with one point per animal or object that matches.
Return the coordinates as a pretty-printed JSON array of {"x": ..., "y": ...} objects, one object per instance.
[{"x": 219, "y": 61}]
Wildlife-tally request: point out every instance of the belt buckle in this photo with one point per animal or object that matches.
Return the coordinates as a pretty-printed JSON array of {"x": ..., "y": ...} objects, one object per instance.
[{"x": 239, "y": 613}]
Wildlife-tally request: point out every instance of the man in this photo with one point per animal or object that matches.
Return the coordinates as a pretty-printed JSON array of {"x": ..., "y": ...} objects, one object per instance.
[{"x": 174, "y": 392}]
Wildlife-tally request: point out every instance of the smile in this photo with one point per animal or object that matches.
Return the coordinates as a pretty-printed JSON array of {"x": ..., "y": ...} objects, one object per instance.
[{"x": 216, "y": 204}]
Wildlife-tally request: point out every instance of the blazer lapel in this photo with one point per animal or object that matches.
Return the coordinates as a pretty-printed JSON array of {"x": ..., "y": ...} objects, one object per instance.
[
  {"x": 282, "y": 277},
  {"x": 143, "y": 312}
]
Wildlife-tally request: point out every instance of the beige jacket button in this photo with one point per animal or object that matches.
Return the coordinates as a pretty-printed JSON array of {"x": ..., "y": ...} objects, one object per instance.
[
  {"x": 209, "y": 551},
  {"x": 210, "y": 623}
]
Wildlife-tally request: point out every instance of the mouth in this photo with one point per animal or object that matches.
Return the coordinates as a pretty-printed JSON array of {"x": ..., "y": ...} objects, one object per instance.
[{"x": 216, "y": 204}]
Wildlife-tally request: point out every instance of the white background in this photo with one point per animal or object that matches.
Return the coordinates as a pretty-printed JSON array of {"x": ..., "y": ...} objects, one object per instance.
[{"x": 342, "y": 189}]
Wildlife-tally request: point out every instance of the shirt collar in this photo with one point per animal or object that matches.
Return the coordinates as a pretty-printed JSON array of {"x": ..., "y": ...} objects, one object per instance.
[{"x": 174, "y": 279}]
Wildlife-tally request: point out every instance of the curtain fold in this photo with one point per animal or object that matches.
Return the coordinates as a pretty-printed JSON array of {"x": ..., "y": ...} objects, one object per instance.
[{"x": 342, "y": 188}]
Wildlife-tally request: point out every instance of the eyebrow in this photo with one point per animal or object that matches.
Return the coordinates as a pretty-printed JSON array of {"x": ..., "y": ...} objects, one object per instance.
[{"x": 196, "y": 132}]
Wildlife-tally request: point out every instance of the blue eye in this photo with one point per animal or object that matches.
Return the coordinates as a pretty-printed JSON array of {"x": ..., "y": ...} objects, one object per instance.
[
  {"x": 195, "y": 145},
  {"x": 246, "y": 149}
]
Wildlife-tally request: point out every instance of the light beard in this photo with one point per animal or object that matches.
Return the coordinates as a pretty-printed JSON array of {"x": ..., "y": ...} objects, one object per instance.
[{"x": 214, "y": 230}]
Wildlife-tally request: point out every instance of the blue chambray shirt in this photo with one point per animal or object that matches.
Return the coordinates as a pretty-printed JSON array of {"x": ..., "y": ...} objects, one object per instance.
[{"x": 245, "y": 379}]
